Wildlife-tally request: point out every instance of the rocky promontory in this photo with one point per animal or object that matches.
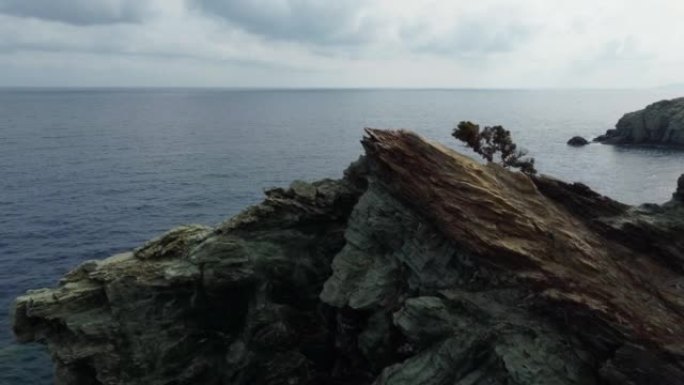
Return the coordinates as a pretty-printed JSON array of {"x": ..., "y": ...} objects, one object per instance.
[
  {"x": 661, "y": 123},
  {"x": 419, "y": 266}
]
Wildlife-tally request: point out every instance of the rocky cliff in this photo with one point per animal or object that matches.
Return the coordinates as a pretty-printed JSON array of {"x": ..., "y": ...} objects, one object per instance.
[
  {"x": 420, "y": 266},
  {"x": 659, "y": 123}
]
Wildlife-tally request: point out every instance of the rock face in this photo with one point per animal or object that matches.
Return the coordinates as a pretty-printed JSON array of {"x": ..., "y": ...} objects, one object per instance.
[
  {"x": 237, "y": 304},
  {"x": 659, "y": 123},
  {"x": 420, "y": 266},
  {"x": 577, "y": 141},
  {"x": 679, "y": 194}
]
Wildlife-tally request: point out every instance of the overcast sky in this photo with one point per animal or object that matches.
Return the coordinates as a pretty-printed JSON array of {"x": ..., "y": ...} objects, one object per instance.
[{"x": 342, "y": 43}]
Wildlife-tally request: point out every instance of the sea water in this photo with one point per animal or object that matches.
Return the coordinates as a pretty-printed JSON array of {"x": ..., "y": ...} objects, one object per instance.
[{"x": 86, "y": 173}]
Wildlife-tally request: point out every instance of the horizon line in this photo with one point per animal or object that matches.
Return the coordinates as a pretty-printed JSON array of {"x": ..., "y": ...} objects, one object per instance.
[{"x": 335, "y": 88}]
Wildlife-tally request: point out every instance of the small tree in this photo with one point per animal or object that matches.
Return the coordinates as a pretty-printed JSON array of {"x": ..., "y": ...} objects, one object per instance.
[{"x": 492, "y": 140}]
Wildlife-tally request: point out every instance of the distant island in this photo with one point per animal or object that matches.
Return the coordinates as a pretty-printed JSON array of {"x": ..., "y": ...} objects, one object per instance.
[
  {"x": 419, "y": 266},
  {"x": 660, "y": 123}
]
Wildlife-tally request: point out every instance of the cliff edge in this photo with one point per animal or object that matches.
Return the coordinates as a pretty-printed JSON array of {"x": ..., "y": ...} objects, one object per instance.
[{"x": 420, "y": 266}]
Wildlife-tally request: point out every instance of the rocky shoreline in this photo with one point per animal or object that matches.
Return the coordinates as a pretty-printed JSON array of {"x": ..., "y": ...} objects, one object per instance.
[
  {"x": 660, "y": 123},
  {"x": 420, "y": 266}
]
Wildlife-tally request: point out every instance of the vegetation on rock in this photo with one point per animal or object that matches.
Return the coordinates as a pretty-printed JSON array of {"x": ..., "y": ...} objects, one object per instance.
[{"x": 490, "y": 141}]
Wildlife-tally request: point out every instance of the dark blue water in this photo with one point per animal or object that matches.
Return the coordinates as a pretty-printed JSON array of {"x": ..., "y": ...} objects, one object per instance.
[{"x": 88, "y": 173}]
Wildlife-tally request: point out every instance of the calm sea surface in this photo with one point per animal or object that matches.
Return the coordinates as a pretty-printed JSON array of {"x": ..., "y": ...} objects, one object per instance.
[{"x": 88, "y": 173}]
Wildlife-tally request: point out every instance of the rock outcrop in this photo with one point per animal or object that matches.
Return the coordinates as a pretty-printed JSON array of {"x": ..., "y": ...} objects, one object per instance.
[
  {"x": 420, "y": 266},
  {"x": 577, "y": 141},
  {"x": 661, "y": 123},
  {"x": 237, "y": 304},
  {"x": 679, "y": 194}
]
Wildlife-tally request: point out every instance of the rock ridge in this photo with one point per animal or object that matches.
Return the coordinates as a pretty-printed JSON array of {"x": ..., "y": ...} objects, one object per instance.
[{"x": 419, "y": 266}]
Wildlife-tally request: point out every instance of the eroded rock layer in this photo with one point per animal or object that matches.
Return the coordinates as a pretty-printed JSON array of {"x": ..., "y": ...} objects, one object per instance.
[{"x": 420, "y": 266}]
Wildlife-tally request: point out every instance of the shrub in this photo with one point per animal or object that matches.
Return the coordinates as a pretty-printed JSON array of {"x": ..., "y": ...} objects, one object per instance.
[{"x": 490, "y": 141}]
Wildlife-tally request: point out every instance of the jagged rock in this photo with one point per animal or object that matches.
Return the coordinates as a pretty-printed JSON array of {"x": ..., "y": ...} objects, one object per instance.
[
  {"x": 659, "y": 123},
  {"x": 200, "y": 305},
  {"x": 577, "y": 141},
  {"x": 176, "y": 243},
  {"x": 420, "y": 266},
  {"x": 679, "y": 194}
]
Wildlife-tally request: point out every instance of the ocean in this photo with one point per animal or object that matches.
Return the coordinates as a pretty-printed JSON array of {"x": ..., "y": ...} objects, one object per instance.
[{"x": 86, "y": 173}]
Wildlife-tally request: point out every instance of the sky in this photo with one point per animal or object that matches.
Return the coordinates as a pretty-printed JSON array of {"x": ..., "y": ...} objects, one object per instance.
[{"x": 342, "y": 43}]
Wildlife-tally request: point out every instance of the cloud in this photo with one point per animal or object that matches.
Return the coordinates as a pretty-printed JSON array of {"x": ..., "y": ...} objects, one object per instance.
[
  {"x": 179, "y": 37},
  {"x": 381, "y": 29},
  {"x": 79, "y": 12},
  {"x": 308, "y": 21},
  {"x": 383, "y": 43},
  {"x": 625, "y": 48},
  {"x": 469, "y": 35}
]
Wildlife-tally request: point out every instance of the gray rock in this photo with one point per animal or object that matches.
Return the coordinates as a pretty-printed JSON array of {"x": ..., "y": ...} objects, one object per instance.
[
  {"x": 660, "y": 123},
  {"x": 679, "y": 194},
  {"x": 421, "y": 266},
  {"x": 577, "y": 141},
  {"x": 237, "y": 304},
  {"x": 176, "y": 243},
  {"x": 457, "y": 322}
]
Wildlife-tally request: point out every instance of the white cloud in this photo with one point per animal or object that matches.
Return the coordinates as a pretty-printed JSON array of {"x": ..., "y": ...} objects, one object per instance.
[
  {"x": 489, "y": 43},
  {"x": 79, "y": 12}
]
